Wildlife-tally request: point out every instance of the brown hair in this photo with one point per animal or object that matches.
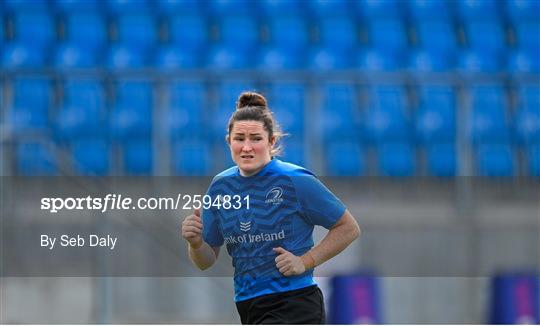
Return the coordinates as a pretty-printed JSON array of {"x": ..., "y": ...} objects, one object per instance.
[{"x": 252, "y": 106}]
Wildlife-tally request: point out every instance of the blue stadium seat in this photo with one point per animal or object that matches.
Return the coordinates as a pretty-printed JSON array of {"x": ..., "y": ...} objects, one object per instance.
[
  {"x": 488, "y": 115},
  {"x": 34, "y": 28},
  {"x": 387, "y": 35},
  {"x": 124, "y": 57},
  {"x": 294, "y": 152},
  {"x": 170, "y": 7},
  {"x": 232, "y": 7},
  {"x": 435, "y": 124},
  {"x": 275, "y": 58},
  {"x": 286, "y": 31},
  {"x": 386, "y": 124},
  {"x": 189, "y": 94},
  {"x": 533, "y": 160},
  {"x": 436, "y": 35},
  {"x": 477, "y": 62},
  {"x": 191, "y": 158},
  {"x": 396, "y": 159},
  {"x": 429, "y": 9},
  {"x": 127, "y": 122},
  {"x": 291, "y": 121},
  {"x": 86, "y": 29},
  {"x": 184, "y": 123},
  {"x": 338, "y": 32},
  {"x": 520, "y": 10},
  {"x": 68, "y": 55},
  {"x": 123, "y": 6},
  {"x": 2, "y": 31},
  {"x": 84, "y": 92},
  {"x": 239, "y": 31},
  {"x": 188, "y": 31},
  {"x": 340, "y": 117},
  {"x": 132, "y": 115},
  {"x": 441, "y": 159},
  {"x": 430, "y": 61},
  {"x": 77, "y": 122},
  {"x": 526, "y": 33},
  {"x": 19, "y": 55},
  {"x": 485, "y": 36},
  {"x": 479, "y": 9},
  {"x": 522, "y": 61},
  {"x": 83, "y": 111},
  {"x": 329, "y": 58},
  {"x": 495, "y": 160},
  {"x": 35, "y": 159},
  {"x": 177, "y": 57},
  {"x": 276, "y": 8},
  {"x": 78, "y": 5},
  {"x": 436, "y": 116},
  {"x": 335, "y": 8},
  {"x": 186, "y": 106},
  {"x": 377, "y": 9},
  {"x": 528, "y": 125},
  {"x": 24, "y": 119},
  {"x": 226, "y": 57},
  {"x": 386, "y": 120},
  {"x": 90, "y": 156},
  {"x": 26, "y": 5},
  {"x": 377, "y": 61},
  {"x": 135, "y": 93},
  {"x": 288, "y": 101},
  {"x": 32, "y": 92},
  {"x": 138, "y": 157},
  {"x": 344, "y": 159},
  {"x": 440, "y": 95},
  {"x": 137, "y": 30},
  {"x": 30, "y": 106},
  {"x": 529, "y": 96},
  {"x": 337, "y": 95}
]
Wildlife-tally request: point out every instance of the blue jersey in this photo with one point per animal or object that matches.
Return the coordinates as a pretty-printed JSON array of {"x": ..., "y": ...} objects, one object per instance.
[{"x": 285, "y": 203}]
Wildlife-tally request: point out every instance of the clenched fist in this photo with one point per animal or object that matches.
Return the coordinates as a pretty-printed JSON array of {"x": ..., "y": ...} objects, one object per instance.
[
  {"x": 287, "y": 263},
  {"x": 192, "y": 228}
]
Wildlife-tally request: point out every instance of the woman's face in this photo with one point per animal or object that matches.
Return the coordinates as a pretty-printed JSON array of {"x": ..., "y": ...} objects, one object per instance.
[{"x": 250, "y": 146}]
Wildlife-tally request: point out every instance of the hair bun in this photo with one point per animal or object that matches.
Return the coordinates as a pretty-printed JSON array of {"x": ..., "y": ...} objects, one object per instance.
[{"x": 250, "y": 99}]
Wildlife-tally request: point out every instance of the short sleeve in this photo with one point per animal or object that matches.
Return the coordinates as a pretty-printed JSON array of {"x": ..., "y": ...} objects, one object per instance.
[
  {"x": 319, "y": 204},
  {"x": 211, "y": 230}
]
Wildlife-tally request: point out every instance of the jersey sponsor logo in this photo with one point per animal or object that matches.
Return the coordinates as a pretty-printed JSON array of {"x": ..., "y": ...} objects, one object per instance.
[
  {"x": 254, "y": 238},
  {"x": 274, "y": 196},
  {"x": 245, "y": 226}
]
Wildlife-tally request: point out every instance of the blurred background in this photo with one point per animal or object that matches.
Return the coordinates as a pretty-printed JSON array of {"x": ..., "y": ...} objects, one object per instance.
[{"x": 388, "y": 93}]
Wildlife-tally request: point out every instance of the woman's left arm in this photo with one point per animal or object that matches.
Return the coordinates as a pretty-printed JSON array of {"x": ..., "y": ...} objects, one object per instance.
[{"x": 341, "y": 235}]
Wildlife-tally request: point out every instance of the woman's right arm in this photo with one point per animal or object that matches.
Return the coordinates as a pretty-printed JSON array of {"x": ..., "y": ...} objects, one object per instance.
[
  {"x": 200, "y": 253},
  {"x": 204, "y": 256}
]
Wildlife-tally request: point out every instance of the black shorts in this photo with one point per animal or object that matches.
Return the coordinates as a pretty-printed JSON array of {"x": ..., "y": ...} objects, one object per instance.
[{"x": 302, "y": 306}]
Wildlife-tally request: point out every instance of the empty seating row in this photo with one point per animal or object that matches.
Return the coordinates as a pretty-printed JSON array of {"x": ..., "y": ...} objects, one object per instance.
[
  {"x": 142, "y": 29},
  {"x": 137, "y": 39},
  {"x": 189, "y": 108},
  {"x": 121, "y": 58},
  {"x": 195, "y": 157},
  {"x": 513, "y": 9},
  {"x": 345, "y": 120}
]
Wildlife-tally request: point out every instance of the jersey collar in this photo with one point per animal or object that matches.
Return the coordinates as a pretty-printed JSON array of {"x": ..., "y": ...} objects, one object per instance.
[{"x": 262, "y": 172}]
